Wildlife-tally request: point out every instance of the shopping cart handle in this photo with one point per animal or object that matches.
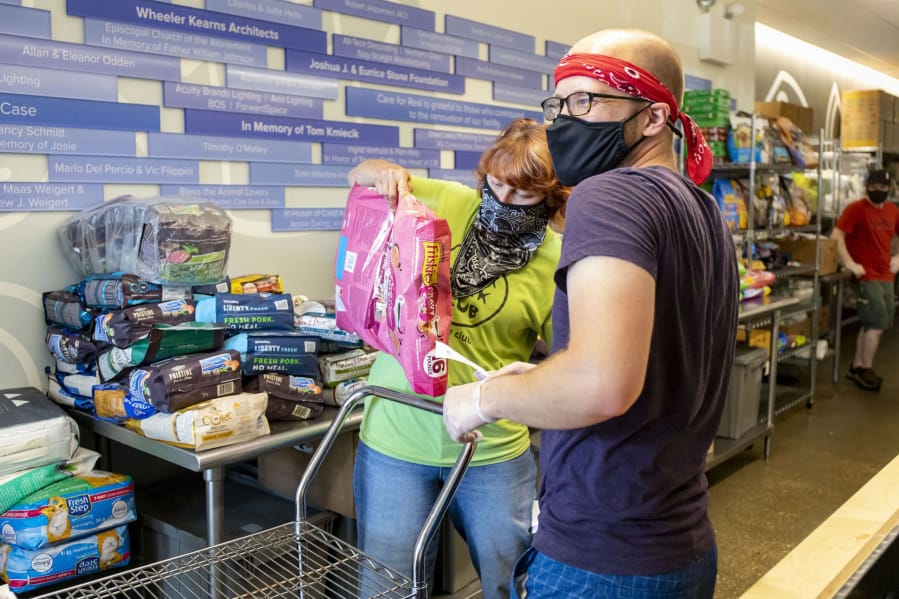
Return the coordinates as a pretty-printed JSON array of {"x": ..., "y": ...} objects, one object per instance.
[
  {"x": 405, "y": 398},
  {"x": 330, "y": 435},
  {"x": 438, "y": 510}
]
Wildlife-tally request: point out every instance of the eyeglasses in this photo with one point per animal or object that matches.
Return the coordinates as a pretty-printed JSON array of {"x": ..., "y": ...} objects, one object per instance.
[{"x": 578, "y": 103}]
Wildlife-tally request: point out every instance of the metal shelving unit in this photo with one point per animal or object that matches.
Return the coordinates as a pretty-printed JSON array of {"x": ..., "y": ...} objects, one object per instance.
[{"x": 778, "y": 398}]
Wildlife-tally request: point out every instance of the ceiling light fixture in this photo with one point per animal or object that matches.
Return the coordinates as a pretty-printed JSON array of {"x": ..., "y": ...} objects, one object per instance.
[{"x": 705, "y": 5}]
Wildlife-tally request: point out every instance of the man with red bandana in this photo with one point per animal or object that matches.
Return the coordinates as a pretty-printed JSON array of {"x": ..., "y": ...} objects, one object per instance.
[{"x": 645, "y": 312}]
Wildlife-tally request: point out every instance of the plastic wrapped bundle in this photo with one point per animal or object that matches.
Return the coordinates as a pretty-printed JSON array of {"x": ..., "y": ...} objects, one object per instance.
[
  {"x": 104, "y": 237},
  {"x": 164, "y": 240},
  {"x": 184, "y": 243}
]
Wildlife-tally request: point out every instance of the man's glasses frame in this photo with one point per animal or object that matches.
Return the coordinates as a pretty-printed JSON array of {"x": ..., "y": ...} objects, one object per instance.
[{"x": 552, "y": 106}]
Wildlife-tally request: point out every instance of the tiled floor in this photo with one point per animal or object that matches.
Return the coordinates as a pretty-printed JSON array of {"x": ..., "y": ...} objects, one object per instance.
[{"x": 819, "y": 457}]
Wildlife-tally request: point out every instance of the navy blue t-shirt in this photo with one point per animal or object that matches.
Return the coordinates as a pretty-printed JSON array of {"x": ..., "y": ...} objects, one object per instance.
[{"x": 629, "y": 496}]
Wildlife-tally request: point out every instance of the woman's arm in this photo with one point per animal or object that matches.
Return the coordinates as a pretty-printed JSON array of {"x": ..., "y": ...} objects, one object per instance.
[{"x": 388, "y": 178}]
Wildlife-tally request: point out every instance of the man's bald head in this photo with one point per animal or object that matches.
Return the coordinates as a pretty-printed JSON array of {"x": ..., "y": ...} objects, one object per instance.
[{"x": 642, "y": 48}]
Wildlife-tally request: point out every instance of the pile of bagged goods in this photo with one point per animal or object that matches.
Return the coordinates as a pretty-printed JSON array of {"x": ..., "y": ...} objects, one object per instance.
[
  {"x": 59, "y": 517},
  {"x": 157, "y": 338}
]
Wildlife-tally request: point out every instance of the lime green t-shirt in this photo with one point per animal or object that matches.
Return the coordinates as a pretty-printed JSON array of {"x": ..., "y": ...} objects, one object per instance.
[{"x": 493, "y": 328}]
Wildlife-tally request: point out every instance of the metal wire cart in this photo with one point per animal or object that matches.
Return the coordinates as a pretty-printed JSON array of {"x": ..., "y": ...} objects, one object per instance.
[{"x": 296, "y": 559}]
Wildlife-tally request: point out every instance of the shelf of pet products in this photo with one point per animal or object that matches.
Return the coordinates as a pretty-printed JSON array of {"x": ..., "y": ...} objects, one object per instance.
[
  {"x": 797, "y": 337},
  {"x": 794, "y": 334},
  {"x": 756, "y": 284}
]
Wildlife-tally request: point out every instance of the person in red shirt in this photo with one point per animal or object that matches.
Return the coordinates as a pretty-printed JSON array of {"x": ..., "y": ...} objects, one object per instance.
[{"x": 864, "y": 234}]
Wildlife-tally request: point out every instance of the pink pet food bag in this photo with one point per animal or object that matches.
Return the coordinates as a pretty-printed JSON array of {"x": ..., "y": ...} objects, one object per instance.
[{"x": 393, "y": 283}]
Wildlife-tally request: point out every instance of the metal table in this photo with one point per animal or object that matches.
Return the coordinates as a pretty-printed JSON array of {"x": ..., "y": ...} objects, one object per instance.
[
  {"x": 212, "y": 462},
  {"x": 295, "y": 559}
]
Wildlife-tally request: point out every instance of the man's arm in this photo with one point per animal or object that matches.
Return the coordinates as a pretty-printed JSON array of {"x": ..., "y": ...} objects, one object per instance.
[
  {"x": 598, "y": 376},
  {"x": 843, "y": 253}
]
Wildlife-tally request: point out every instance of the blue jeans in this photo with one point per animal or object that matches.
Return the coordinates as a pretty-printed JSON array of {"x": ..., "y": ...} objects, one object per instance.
[
  {"x": 491, "y": 510},
  {"x": 537, "y": 576}
]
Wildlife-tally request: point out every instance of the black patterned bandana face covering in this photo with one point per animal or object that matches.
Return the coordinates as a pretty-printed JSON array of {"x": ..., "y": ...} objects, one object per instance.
[{"x": 501, "y": 239}]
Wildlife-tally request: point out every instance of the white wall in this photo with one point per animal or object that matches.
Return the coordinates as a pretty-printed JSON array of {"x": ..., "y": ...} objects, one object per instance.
[{"x": 32, "y": 261}]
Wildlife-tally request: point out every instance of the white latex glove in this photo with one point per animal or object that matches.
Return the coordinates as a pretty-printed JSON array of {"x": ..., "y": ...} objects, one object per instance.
[
  {"x": 460, "y": 405},
  {"x": 460, "y": 414},
  {"x": 894, "y": 264},
  {"x": 513, "y": 368}
]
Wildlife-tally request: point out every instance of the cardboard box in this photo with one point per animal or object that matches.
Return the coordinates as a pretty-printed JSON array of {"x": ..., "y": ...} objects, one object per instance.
[
  {"x": 757, "y": 338},
  {"x": 803, "y": 327},
  {"x": 861, "y": 133},
  {"x": 890, "y": 137},
  {"x": 872, "y": 103},
  {"x": 864, "y": 115},
  {"x": 801, "y": 116},
  {"x": 332, "y": 488},
  {"x": 803, "y": 250}
]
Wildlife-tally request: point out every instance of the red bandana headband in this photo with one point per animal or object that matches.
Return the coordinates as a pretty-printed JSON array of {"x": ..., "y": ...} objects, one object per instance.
[{"x": 634, "y": 81}]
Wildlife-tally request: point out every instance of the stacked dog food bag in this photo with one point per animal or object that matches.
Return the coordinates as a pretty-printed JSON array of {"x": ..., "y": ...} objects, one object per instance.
[
  {"x": 288, "y": 345},
  {"x": 277, "y": 360},
  {"x": 344, "y": 362},
  {"x": 126, "y": 340},
  {"x": 59, "y": 518},
  {"x": 157, "y": 337}
]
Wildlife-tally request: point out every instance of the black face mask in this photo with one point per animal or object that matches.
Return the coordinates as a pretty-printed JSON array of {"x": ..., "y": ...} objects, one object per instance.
[
  {"x": 581, "y": 149},
  {"x": 502, "y": 239},
  {"x": 877, "y": 196}
]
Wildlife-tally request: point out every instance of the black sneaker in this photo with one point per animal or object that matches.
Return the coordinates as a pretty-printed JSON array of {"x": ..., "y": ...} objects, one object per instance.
[
  {"x": 874, "y": 376},
  {"x": 871, "y": 374},
  {"x": 864, "y": 378}
]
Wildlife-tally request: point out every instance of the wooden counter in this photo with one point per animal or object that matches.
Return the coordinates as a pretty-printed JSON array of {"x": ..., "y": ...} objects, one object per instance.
[{"x": 822, "y": 563}]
